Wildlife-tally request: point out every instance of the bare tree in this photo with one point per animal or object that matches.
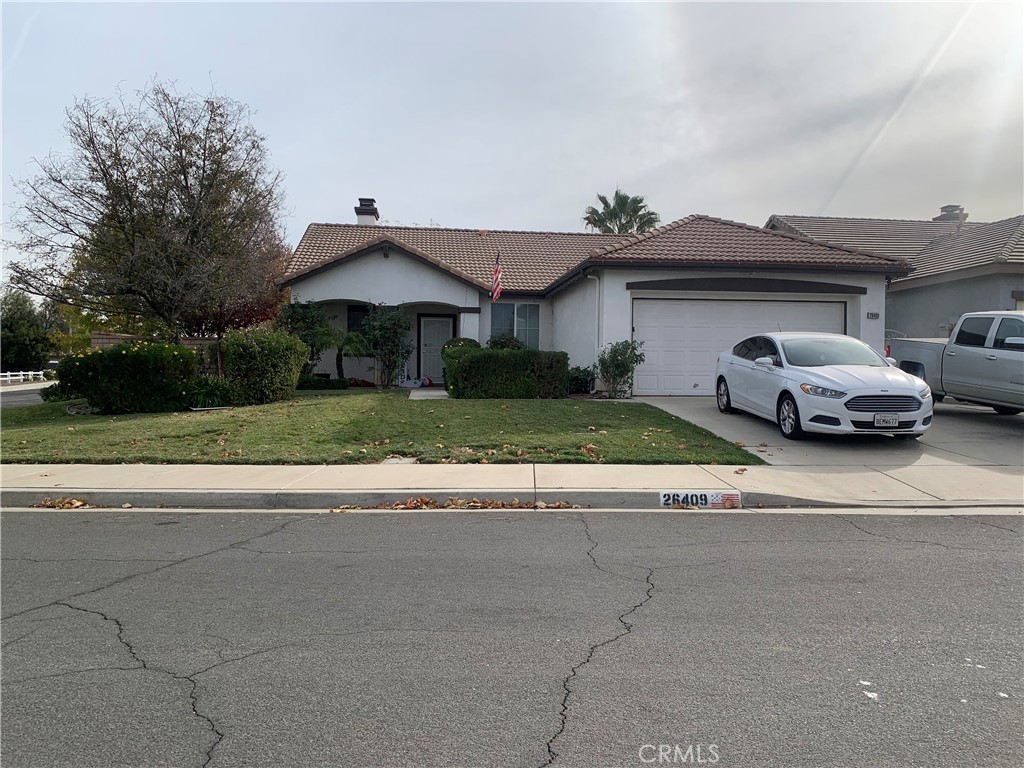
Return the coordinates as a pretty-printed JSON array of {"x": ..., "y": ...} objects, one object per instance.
[{"x": 164, "y": 208}]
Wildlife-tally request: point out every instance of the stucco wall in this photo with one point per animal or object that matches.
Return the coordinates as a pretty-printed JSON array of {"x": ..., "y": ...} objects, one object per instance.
[
  {"x": 575, "y": 322},
  {"x": 932, "y": 310},
  {"x": 616, "y": 300},
  {"x": 397, "y": 279}
]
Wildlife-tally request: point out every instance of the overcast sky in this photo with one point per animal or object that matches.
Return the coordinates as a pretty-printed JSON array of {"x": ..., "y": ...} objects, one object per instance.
[{"x": 515, "y": 116}]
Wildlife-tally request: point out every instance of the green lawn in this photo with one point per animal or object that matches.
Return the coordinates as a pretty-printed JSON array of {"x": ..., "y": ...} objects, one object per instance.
[{"x": 367, "y": 427}]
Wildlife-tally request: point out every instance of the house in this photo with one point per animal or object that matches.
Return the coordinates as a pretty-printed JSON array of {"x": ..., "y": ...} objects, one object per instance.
[
  {"x": 688, "y": 289},
  {"x": 959, "y": 266}
]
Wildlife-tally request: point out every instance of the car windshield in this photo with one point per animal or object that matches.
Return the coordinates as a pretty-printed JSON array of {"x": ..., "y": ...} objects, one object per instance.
[{"x": 809, "y": 353}]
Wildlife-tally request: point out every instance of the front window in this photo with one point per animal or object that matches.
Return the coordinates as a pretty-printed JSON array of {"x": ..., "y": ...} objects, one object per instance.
[
  {"x": 1008, "y": 328},
  {"x": 811, "y": 353},
  {"x": 973, "y": 332},
  {"x": 519, "y": 320}
]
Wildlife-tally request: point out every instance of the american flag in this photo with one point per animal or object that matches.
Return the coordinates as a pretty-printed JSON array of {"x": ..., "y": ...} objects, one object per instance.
[
  {"x": 496, "y": 279},
  {"x": 727, "y": 501}
]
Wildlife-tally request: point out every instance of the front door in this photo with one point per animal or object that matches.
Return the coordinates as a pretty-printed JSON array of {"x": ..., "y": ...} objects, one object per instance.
[{"x": 434, "y": 332}]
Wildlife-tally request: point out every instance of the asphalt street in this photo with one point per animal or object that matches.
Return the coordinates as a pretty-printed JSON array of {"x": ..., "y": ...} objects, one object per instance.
[{"x": 508, "y": 638}]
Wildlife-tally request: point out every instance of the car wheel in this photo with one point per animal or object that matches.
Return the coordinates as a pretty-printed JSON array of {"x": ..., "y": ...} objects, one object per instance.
[
  {"x": 788, "y": 417},
  {"x": 722, "y": 394},
  {"x": 938, "y": 398},
  {"x": 1004, "y": 411}
]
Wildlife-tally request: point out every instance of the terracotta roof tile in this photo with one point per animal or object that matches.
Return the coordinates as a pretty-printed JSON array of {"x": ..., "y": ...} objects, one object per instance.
[
  {"x": 700, "y": 239},
  {"x": 530, "y": 260},
  {"x": 533, "y": 262}
]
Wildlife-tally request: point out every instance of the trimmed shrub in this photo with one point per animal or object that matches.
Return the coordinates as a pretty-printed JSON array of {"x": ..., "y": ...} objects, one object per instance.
[
  {"x": 460, "y": 342},
  {"x": 513, "y": 374},
  {"x": 262, "y": 366},
  {"x": 318, "y": 382},
  {"x": 616, "y": 364},
  {"x": 504, "y": 341},
  {"x": 208, "y": 392},
  {"x": 581, "y": 380},
  {"x": 130, "y": 378}
]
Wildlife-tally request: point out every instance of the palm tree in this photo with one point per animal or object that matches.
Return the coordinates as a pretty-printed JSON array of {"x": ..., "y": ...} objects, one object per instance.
[
  {"x": 349, "y": 343},
  {"x": 624, "y": 215}
]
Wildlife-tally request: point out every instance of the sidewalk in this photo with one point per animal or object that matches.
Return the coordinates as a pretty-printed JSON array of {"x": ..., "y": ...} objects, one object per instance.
[{"x": 598, "y": 486}]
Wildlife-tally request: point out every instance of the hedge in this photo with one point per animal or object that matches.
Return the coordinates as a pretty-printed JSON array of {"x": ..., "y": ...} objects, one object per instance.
[
  {"x": 144, "y": 377},
  {"x": 515, "y": 374},
  {"x": 262, "y": 366}
]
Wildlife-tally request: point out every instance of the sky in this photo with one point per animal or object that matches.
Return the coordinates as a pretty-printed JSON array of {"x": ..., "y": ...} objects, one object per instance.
[{"x": 514, "y": 116}]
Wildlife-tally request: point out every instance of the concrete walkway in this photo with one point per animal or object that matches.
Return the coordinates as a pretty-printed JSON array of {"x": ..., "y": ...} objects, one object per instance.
[{"x": 604, "y": 486}]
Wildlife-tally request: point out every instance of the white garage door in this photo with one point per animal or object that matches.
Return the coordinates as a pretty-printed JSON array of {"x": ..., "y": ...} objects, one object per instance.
[{"x": 683, "y": 337}]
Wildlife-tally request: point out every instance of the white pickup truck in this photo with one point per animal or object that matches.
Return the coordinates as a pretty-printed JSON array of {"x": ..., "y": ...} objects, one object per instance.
[{"x": 981, "y": 362}]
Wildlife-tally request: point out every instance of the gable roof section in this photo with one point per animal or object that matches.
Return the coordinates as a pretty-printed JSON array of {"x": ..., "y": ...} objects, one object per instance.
[
  {"x": 895, "y": 238},
  {"x": 368, "y": 245},
  {"x": 705, "y": 241},
  {"x": 999, "y": 242},
  {"x": 536, "y": 262},
  {"x": 530, "y": 261}
]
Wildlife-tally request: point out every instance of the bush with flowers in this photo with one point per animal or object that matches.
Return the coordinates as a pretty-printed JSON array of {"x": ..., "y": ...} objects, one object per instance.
[{"x": 142, "y": 377}]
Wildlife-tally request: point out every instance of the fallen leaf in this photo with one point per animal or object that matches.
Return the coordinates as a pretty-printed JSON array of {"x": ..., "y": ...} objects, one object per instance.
[
  {"x": 740, "y": 444},
  {"x": 739, "y": 471}
]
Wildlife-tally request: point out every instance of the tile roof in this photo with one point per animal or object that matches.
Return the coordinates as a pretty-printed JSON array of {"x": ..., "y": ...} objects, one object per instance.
[
  {"x": 530, "y": 261},
  {"x": 533, "y": 262},
  {"x": 896, "y": 238},
  {"x": 704, "y": 240},
  {"x": 998, "y": 242}
]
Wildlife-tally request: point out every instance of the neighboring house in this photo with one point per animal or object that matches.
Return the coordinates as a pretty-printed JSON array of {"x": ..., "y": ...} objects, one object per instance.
[
  {"x": 688, "y": 289},
  {"x": 959, "y": 266}
]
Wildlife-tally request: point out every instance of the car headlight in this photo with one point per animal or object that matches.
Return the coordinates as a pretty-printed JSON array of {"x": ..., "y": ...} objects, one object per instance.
[
  {"x": 811, "y": 389},
  {"x": 925, "y": 393}
]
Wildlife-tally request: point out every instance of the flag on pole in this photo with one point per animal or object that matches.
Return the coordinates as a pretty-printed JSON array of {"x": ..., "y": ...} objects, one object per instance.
[{"x": 496, "y": 279}]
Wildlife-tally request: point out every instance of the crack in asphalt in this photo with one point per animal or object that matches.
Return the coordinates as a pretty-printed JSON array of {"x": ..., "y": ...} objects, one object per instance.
[
  {"x": 70, "y": 673},
  {"x": 166, "y": 564},
  {"x": 193, "y": 693},
  {"x": 961, "y": 519},
  {"x": 627, "y": 628},
  {"x": 915, "y": 541},
  {"x": 89, "y": 560}
]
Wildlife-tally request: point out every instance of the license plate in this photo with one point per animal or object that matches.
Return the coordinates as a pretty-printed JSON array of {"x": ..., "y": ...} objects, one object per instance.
[
  {"x": 887, "y": 419},
  {"x": 701, "y": 499}
]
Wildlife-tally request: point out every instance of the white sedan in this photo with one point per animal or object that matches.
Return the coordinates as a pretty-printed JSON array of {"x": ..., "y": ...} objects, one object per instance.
[{"x": 821, "y": 382}]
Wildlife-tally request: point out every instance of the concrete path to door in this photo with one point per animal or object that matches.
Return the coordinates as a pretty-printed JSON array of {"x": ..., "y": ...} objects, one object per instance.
[{"x": 960, "y": 435}]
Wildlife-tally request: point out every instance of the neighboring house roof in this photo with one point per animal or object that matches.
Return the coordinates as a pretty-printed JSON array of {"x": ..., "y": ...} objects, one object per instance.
[
  {"x": 534, "y": 262},
  {"x": 933, "y": 247},
  {"x": 999, "y": 242},
  {"x": 896, "y": 238}
]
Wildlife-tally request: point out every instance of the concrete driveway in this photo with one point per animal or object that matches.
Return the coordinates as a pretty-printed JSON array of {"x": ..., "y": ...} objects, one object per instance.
[{"x": 960, "y": 435}]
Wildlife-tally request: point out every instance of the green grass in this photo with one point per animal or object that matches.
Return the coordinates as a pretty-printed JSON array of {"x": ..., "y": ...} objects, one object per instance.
[{"x": 367, "y": 427}]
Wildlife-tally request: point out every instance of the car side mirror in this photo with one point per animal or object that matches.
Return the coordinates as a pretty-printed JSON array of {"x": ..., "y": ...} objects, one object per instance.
[
  {"x": 1013, "y": 342},
  {"x": 891, "y": 361},
  {"x": 764, "y": 362}
]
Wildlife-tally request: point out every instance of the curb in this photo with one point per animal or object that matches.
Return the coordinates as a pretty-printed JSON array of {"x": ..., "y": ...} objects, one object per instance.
[{"x": 321, "y": 500}]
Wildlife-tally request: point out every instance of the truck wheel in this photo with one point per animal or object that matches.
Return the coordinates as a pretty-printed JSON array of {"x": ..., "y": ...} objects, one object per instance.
[{"x": 1004, "y": 411}]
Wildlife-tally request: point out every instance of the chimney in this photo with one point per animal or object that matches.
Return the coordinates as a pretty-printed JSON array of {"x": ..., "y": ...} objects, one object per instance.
[
  {"x": 366, "y": 211},
  {"x": 952, "y": 213}
]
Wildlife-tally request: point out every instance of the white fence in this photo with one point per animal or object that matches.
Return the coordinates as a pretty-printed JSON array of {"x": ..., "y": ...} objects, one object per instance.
[{"x": 10, "y": 378}]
